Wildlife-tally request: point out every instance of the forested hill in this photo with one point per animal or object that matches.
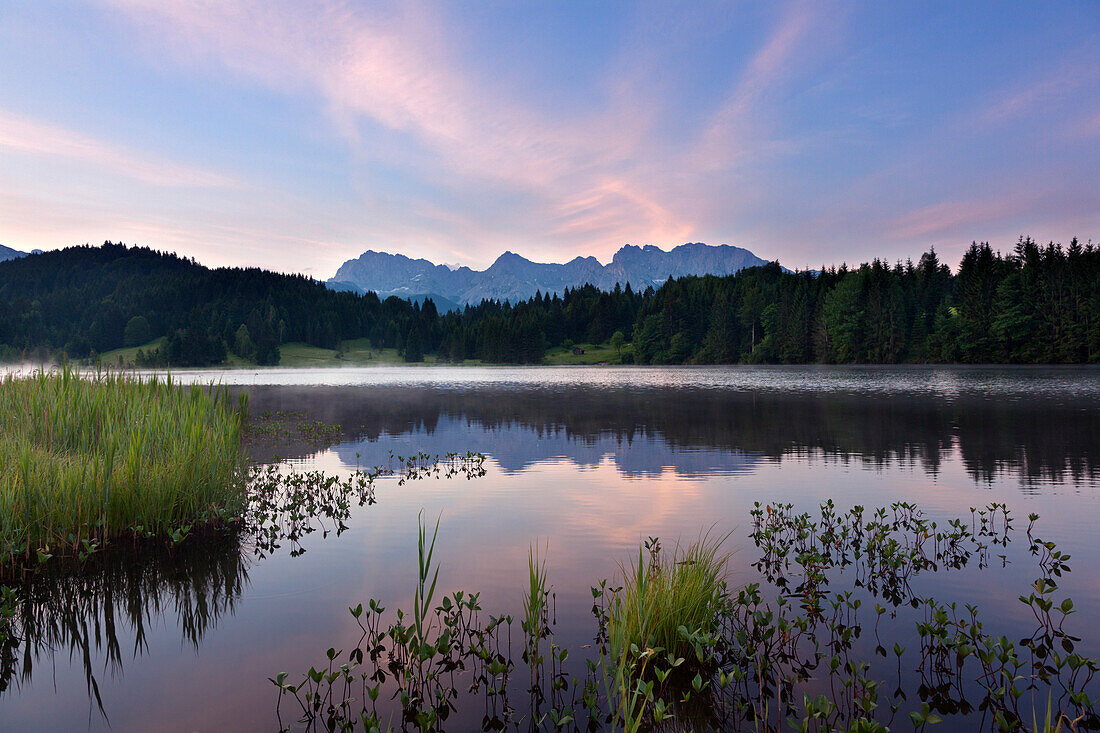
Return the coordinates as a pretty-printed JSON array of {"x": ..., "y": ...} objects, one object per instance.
[
  {"x": 1035, "y": 304},
  {"x": 85, "y": 299}
]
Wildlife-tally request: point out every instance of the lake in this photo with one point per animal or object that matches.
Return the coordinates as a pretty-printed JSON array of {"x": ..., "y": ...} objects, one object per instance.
[{"x": 586, "y": 463}]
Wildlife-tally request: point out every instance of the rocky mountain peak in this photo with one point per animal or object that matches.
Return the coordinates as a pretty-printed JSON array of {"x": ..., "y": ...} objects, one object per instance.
[{"x": 513, "y": 277}]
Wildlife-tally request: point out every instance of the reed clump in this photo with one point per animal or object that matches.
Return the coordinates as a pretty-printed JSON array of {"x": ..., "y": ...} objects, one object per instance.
[
  {"x": 86, "y": 458},
  {"x": 670, "y": 599}
]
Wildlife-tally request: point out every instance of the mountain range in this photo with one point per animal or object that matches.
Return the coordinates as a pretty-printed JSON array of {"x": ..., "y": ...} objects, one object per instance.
[
  {"x": 514, "y": 278},
  {"x": 7, "y": 253}
]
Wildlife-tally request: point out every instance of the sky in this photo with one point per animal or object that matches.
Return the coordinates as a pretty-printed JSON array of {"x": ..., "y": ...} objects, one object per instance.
[{"x": 296, "y": 135}]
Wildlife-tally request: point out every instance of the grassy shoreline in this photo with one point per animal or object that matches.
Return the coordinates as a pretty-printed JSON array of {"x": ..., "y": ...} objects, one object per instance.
[{"x": 85, "y": 459}]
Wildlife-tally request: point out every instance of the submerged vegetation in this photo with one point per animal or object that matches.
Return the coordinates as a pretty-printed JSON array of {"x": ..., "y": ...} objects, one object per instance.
[
  {"x": 85, "y": 459},
  {"x": 802, "y": 653}
]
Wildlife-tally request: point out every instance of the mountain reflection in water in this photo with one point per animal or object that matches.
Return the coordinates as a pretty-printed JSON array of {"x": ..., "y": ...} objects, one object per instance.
[{"x": 700, "y": 432}]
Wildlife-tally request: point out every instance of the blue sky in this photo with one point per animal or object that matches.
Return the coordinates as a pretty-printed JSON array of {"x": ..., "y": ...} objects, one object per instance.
[{"x": 295, "y": 135}]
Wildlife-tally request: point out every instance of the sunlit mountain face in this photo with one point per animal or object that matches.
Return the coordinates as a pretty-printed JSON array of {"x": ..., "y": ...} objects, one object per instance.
[{"x": 513, "y": 277}]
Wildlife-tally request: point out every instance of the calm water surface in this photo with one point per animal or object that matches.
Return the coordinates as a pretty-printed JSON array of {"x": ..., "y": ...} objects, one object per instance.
[{"x": 589, "y": 460}]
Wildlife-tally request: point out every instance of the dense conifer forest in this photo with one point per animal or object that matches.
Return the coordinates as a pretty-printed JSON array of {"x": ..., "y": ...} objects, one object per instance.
[{"x": 1035, "y": 304}]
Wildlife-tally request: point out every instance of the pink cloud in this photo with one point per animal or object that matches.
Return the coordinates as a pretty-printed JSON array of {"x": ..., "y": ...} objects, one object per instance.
[
  {"x": 740, "y": 126},
  {"x": 397, "y": 71},
  {"x": 952, "y": 216},
  {"x": 1076, "y": 72},
  {"x": 402, "y": 72},
  {"x": 32, "y": 137}
]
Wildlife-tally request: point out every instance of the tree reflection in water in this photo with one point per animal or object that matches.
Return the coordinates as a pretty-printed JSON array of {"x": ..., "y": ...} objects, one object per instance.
[{"x": 87, "y": 608}]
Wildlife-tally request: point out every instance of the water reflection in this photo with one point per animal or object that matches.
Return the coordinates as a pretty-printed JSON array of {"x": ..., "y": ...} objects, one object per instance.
[
  {"x": 925, "y": 381},
  {"x": 590, "y": 462},
  {"x": 88, "y": 610},
  {"x": 698, "y": 432}
]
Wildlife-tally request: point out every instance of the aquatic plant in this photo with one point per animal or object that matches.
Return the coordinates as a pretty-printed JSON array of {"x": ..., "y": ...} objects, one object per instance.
[
  {"x": 287, "y": 423},
  {"x": 963, "y": 669},
  {"x": 85, "y": 459},
  {"x": 885, "y": 549},
  {"x": 286, "y": 505},
  {"x": 665, "y": 600},
  {"x": 420, "y": 654},
  {"x": 660, "y": 626},
  {"x": 536, "y": 617},
  {"x": 756, "y": 659}
]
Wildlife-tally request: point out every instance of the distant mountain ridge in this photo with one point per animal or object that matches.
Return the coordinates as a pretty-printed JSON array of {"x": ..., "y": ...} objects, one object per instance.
[
  {"x": 516, "y": 278},
  {"x": 7, "y": 253}
]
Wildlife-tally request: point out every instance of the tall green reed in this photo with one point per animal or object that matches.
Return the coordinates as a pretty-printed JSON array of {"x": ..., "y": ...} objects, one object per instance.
[
  {"x": 670, "y": 597},
  {"x": 84, "y": 458}
]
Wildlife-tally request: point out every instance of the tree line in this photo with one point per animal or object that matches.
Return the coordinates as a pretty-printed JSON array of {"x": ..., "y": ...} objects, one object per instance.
[
  {"x": 1034, "y": 304},
  {"x": 82, "y": 301}
]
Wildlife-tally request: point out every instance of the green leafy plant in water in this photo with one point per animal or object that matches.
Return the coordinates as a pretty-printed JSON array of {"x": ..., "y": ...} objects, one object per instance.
[
  {"x": 661, "y": 625},
  {"x": 535, "y": 623},
  {"x": 747, "y": 662},
  {"x": 419, "y": 653},
  {"x": 287, "y": 505}
]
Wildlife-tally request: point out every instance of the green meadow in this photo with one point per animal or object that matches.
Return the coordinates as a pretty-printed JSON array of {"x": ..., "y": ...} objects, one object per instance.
[{"x": 360, "y": 353}]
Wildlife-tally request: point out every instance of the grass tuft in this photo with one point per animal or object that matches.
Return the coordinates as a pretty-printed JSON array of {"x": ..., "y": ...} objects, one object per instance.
[{"x": 670, "y": 598}]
